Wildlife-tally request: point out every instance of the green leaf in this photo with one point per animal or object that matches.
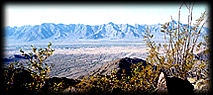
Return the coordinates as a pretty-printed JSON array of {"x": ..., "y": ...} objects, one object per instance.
[
  {"x": 21, "y": 50},
  {"x": 49, "y": 44},
  {"x": 151, "y": 36},
  {"x": 34, "y": 49}
]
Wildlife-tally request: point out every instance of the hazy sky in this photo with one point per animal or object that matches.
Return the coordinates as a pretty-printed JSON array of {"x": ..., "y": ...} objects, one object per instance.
[{"x": 95, "y": 14}]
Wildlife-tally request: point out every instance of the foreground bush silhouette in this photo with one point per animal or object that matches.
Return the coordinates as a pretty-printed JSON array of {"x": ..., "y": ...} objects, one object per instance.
[
  {"x": 35, "y": 69},
  {"x": 15, "y": 81},
  {"x": 176, "y": 56}
]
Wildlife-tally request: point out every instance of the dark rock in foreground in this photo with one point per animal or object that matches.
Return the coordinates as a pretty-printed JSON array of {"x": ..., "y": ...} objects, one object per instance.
[
  {"x": 19, "y": 77},
  {"x": 174, "y": 86}
]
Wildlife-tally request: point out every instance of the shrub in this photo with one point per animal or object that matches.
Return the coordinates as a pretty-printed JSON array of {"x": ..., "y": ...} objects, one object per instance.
[
  {"x": 141, "y": 80},
  {"x": 35, "y": 65},
  {"x": 176, "y": 56}
]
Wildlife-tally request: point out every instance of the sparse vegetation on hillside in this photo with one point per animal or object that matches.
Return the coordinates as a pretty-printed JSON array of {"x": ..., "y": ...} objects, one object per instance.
[{"x": 142, "y": 80}]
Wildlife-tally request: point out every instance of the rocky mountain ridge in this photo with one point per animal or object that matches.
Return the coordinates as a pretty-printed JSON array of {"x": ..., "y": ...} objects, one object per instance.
[{"x": 66, "y": 33}]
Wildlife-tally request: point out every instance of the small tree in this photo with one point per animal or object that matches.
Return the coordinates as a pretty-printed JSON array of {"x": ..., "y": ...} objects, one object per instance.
[
  {"x": 176, "y": 56},
  {"x": 35, "y": 65}
]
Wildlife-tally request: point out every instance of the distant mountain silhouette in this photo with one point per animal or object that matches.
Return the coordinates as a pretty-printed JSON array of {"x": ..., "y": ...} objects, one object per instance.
[
  {"x": 15, "y": 58},
  {"x": 65, "y": 33}
]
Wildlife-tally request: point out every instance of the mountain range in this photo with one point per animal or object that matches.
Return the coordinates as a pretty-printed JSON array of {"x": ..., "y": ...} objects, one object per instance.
[{"x": 74, "y": 32}]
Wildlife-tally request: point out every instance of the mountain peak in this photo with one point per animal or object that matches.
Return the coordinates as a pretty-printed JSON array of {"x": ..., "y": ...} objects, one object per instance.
[
  {"x": 111, "y": 23},
  {"x": 50, "y": 31}
]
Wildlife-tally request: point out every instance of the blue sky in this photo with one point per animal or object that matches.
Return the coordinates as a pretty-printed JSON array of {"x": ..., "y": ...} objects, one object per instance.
[{"x": 26, "y": 14}]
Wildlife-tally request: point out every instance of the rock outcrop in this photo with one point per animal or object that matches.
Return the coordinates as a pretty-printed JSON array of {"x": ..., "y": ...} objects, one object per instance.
[
  {"x": 118, "y": 65},
  {"x": 174, "y": 86},
  {"x": 15, "y": 80}
]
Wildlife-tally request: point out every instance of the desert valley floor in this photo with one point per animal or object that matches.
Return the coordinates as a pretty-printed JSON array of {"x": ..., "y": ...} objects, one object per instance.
[{"x": 76, "y": 60}]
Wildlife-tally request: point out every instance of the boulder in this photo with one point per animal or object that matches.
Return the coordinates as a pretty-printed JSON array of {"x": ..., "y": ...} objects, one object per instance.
[
  {"x": 174, "y": 85},
  {"x": 20, "y": 77}
]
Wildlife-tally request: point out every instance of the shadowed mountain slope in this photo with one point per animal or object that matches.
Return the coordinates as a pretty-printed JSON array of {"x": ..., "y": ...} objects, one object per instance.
[{"x": 118, "y": 65}]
